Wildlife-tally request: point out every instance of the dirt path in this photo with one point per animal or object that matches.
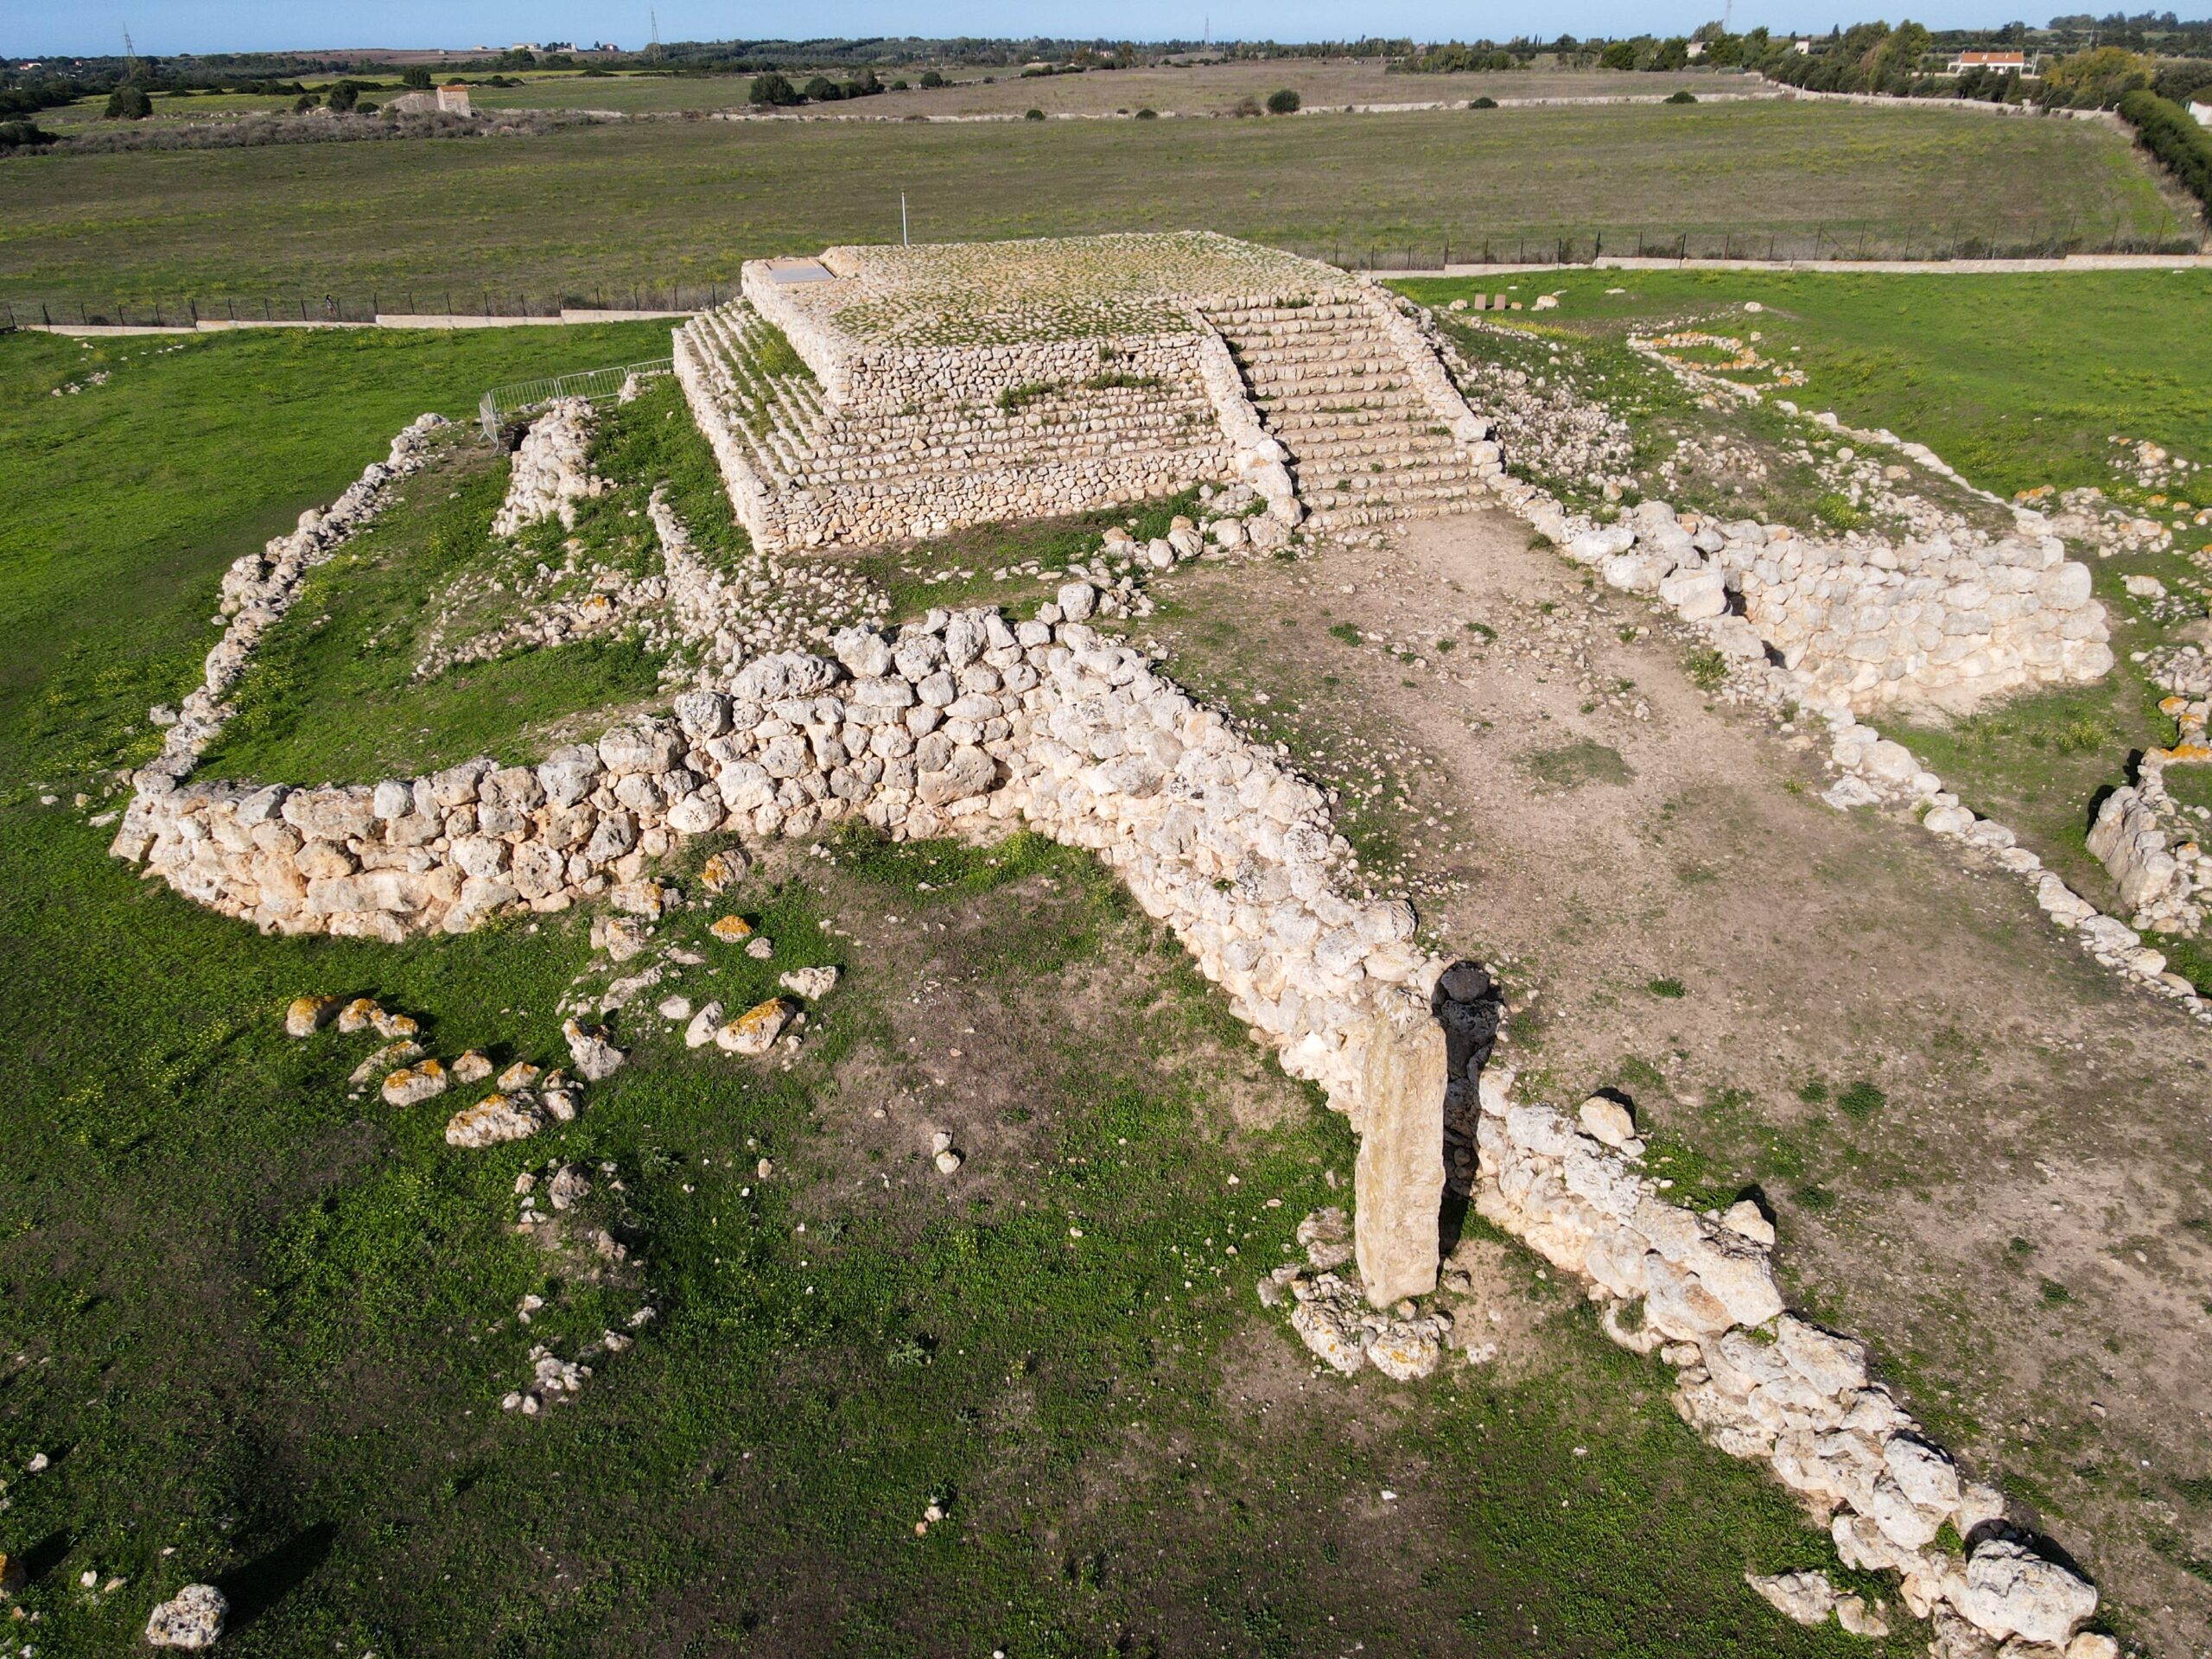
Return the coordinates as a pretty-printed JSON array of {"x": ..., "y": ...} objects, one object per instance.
[{"x": 2015, "y": 1204}]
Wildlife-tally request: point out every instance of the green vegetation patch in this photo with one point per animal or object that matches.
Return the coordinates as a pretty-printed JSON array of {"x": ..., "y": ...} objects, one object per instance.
[{"x": 1573, "y": 764}]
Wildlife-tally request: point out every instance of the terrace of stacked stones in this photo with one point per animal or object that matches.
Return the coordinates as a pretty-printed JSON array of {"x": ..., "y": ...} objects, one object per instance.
[{"x": 877, "y": 394}]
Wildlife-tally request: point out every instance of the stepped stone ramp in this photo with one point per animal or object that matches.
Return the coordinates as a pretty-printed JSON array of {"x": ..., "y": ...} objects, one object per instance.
[
  {"x": 1367, "y": 442},
  {"x": 876, "y": 394}
]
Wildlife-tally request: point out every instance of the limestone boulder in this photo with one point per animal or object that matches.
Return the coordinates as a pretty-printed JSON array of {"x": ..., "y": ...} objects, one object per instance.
[
  {"x": 2011, "y": 1590},
  {"x": 191, "y": 1620},
  {"x": 493, "y": 1120},
  {"x": 595, "y": 1059}
]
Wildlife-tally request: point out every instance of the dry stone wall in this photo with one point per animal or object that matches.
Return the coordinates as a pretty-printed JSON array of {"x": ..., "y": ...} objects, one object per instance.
[
  {"x": 259, "y": 588},
  {"x": 933, "y": 439},
  {"x": 1707, "y": 575},
  {"x": 1758, "y": 1381}
]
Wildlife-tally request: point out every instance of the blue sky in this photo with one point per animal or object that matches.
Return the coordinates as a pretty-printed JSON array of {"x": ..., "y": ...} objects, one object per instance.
[{"x": 29, "y": 27}]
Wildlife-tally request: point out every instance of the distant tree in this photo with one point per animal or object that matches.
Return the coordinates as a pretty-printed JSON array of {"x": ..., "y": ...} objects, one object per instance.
[
  {"x": 305, "y": 102},
  {"x": 2096, "y": 79},
  {"x": 930, "y": 78},
  {"x": 129, "y": 104},
  {"x": 1897, "y": 60},
  {"x": 1285, "y": 102},
  {"x": 1621, "y": 54},
  {"x": 822, "y": 90},
  {"x": 771, "y": 90},
  {"x": 898, "y": 86},
  {"x": 417, "y": 76},
  {"x": 342, "y": 96},
  {"x": 22, "y": 135}
]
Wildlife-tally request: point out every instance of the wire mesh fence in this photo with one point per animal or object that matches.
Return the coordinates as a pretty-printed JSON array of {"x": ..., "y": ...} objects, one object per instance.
[
  {"x": 593, "y": 385},
  {"x": 1837, "y": 245},
  {"x": 190, "y": 310},
  {"x": 1841, "y": 246}
]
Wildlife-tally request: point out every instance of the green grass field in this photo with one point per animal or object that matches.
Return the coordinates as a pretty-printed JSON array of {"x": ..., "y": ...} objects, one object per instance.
[
  {"x": 665, "y": 202},
  {"x": 261, "y": 1328}
]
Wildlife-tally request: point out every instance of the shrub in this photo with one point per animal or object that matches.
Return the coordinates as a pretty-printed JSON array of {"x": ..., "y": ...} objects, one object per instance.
[
  {"x": 342, "y": 96},
  {"x": 305, "y": 102},
  {"x": 898, "y": 86},
  {"x": 930, "y": 78},
  {"x": 417, "y": 77},
  {"x": 771, "y": 91},
  {"x": 1485, "y": 102},
  {"x": 23, "y": 135},
  {"x": 1033, "y": 115},
  {"x": 1244, "y": 106},
  {"x": 1148, "y": 115},
  {"x": 822, "y": 90},
  {"x": 1684, "y": 96},
  {"x": 1285, "y": 102},
  {"x": 2172, "y": 134},
  {"x": 129, "y": 104}
]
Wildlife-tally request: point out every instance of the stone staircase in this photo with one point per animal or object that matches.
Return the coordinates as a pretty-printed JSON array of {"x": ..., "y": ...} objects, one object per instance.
[
  {"x": 1366, "y": 445},
  {"x": 774, "y": 420}
]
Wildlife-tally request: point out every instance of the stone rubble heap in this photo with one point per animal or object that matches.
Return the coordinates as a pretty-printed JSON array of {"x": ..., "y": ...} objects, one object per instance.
[
  {"x": 2153, "y": 844},
  {"x": 1539, "y": 421},
  {"x": 552, "y": 469},
  {"x": 1808, "y": 1598},
  {"x": 1759, "y": 1382},
  {"x": 259, "y": 588},
  {"x": 707, "y": 622}
]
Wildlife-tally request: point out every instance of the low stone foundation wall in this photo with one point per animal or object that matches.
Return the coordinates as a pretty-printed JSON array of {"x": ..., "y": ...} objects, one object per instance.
[
  {"x": 1866, "y": 623},
  {"x": 259, "y": 588},
  {"x": 1758, "y": 1381}
]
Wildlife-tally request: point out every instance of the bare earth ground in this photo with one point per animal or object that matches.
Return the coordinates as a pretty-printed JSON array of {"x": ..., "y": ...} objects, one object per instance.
[{"x": 2021, "y": 1219}]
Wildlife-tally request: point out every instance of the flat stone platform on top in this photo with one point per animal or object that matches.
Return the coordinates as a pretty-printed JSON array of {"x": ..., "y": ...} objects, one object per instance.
[{"x": 1058, "y": 288}]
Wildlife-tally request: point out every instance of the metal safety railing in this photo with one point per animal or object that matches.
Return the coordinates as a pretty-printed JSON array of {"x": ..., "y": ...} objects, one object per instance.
[{"x": 593, "y": 386}]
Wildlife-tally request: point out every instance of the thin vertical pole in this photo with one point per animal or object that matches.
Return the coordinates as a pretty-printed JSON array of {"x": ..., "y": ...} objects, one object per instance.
[{"x": 904, "y": 241}]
